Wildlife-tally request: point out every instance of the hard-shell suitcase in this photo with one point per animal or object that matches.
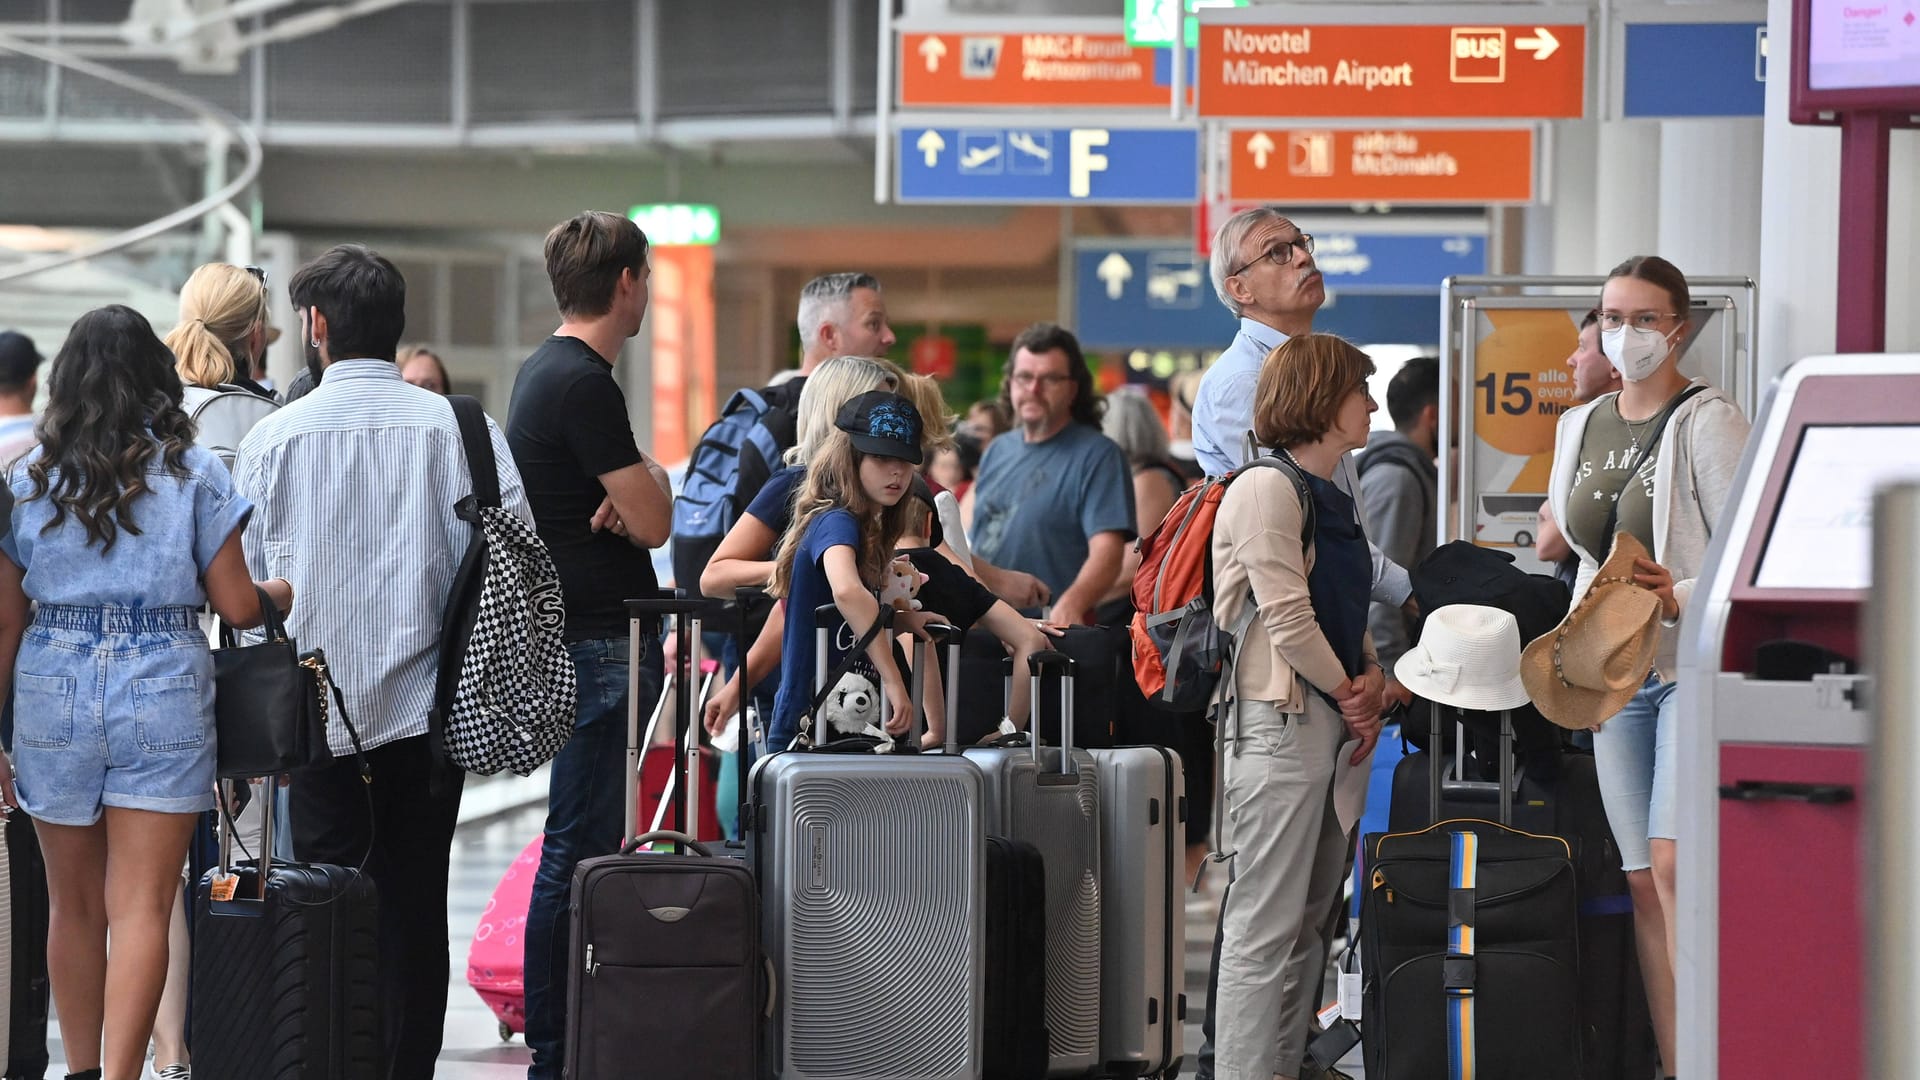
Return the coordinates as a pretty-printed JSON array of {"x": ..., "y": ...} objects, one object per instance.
[
  {"x": 1050, "y": 797},
  {"x": 1143, "y": 924},
  {"x": 285, "y": 977},
  {"x": 1470, "y": 944},
  {"x": 25, "y": 932},
  {"x": 1014, "y": 1043},
  {"x": 671, "y": 939},
  {"x": 871, "y": 870}
]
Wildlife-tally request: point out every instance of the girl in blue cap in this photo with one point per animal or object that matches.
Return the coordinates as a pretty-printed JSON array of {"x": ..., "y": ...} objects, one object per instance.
[{"x": 847, "y": 517}]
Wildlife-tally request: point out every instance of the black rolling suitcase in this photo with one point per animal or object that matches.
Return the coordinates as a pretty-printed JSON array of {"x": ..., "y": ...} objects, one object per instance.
[
  {"x": 285, "y": 978},
  {"x": 25, "y": 1055},
  {"x": 1470, "y": 943},
  {"x": 665, "y": 962},
  {"x": 1616, "y": 1033}
]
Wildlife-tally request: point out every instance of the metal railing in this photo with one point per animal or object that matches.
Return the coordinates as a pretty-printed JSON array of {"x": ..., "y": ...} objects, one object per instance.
[{"x": 223, "y": 131}]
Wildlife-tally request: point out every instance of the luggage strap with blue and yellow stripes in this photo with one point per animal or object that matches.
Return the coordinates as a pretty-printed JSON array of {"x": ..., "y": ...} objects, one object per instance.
[{"x": 1458, "y": 969}]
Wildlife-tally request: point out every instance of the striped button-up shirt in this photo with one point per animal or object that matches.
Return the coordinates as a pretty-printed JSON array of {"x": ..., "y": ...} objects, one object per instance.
[{"x": 353, "y": 487}]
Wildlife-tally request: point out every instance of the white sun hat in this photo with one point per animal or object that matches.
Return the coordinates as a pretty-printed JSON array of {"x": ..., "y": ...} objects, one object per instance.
[{"x": 1468, "y": 656}]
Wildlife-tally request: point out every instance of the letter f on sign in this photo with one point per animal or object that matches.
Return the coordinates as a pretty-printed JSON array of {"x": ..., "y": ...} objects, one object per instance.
[{"x": 1083, "y": 162}]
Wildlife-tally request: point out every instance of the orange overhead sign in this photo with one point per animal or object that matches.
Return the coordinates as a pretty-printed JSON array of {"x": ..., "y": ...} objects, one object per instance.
[
  {"x": 1434, "y": 165},
  {"x": 1397, "y": 71},
  {"x": 971, "y": 70}
]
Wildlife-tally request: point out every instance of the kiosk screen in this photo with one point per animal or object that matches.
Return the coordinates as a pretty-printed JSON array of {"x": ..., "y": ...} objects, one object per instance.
[{"x": 1823, "y": 531}]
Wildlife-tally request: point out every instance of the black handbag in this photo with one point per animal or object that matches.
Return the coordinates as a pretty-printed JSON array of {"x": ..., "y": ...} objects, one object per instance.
[{"x": 270, "y": 703}]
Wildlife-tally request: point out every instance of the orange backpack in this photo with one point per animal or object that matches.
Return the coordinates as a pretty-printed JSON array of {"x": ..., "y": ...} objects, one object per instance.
[{"x": 1179, "y": 652}]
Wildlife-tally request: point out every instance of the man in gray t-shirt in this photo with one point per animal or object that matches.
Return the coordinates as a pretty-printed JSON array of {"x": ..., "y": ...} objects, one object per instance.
[{"x": 1054, "y": 497}]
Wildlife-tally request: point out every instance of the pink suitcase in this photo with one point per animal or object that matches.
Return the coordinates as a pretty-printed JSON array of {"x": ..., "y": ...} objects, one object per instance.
[{"x": 496, "y": 964}]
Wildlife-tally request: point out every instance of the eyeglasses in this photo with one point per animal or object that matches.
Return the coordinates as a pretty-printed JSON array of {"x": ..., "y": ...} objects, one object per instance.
[
  {"x": 1029, "y": 378},
  {"x": 1644, "y": 320},
  {"x": 1281, "y": 253}
]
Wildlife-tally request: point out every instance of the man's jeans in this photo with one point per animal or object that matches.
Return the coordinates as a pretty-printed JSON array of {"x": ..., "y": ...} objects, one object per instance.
[{"x": 585, "y": 814}]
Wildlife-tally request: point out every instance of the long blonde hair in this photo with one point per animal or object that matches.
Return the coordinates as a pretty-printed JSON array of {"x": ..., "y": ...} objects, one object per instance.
[
  {"x": 833, "y": 384},
  {"x": 833, "y": 483},
  {"x": 219, "y": 307},
  {"x": 936, "y": 420}
]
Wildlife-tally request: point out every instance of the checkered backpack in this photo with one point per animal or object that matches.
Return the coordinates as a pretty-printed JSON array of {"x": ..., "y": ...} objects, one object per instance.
[{"x": 505, "y": 698}]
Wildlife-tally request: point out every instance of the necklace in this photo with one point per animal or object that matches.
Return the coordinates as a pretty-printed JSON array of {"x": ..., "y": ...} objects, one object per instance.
[{"x": 1635, "y": 428}]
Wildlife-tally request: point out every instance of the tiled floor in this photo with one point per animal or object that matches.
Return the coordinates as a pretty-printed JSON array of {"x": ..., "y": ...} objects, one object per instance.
[{"x": 483, "y": 850}]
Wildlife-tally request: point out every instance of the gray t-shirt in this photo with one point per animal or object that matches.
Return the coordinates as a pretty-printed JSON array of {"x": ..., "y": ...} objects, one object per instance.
[
  {"x": 1609, "y": 446},
  {"x": 1037, "y": 504}
]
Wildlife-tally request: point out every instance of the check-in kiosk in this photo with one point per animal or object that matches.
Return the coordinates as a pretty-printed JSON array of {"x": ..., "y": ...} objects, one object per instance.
[{"x": 1775, "y": 726}]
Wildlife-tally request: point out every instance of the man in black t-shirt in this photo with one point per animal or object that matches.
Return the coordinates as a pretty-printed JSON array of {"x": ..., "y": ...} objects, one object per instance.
[{"x": 599, "y": 504}]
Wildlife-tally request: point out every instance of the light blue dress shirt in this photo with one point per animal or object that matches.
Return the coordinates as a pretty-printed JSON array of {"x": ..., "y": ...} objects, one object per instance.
[
  {"x": 354, "y": 487},
  {"x": 1223, "y": 422}
]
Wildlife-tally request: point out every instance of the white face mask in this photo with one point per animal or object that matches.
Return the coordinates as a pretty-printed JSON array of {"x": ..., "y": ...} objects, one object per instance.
[{"x": 1633, "y": 352}]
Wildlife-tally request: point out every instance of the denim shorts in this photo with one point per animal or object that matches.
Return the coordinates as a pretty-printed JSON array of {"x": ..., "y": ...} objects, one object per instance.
[
  {"x": 1634, "y": 753},
  {"x": 113, "y": 707}
]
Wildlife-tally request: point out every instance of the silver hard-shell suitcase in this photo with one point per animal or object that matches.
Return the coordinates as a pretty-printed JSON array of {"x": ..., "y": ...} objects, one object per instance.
[
  {"x": 1050, "y": 797},
  {"x": 872, "y": 885},
  {"x": 1143, "y": 810}
]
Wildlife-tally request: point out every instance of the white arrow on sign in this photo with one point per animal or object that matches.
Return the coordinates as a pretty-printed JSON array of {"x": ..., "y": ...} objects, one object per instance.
[
  {"x": 1116, "y": 271},
  {"x": 1544, "y": 44},
  {"x": 1260, "y": 146},
  {"x": 931, "y": 50},
  {"x": 931, "y": 144}
]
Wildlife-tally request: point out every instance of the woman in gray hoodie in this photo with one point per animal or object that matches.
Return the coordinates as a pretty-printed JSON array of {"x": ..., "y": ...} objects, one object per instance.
[{"x": 1655, "y": 459}]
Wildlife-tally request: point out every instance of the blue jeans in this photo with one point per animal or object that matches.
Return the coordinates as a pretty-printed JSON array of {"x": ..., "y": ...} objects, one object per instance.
[
  {"x": 585, "y": 814},
  {"x": 1634, "y": 753}
]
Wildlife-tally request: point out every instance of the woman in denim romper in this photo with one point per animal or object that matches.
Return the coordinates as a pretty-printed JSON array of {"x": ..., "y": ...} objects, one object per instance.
[{"x": 120, "y": 529}]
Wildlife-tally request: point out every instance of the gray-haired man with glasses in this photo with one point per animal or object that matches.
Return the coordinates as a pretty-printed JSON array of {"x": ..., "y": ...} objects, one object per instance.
[{"x": 1263, "y": 271}]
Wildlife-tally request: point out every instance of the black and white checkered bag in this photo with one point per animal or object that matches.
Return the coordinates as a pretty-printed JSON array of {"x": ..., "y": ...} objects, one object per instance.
[{"x": 506, "y": 692}]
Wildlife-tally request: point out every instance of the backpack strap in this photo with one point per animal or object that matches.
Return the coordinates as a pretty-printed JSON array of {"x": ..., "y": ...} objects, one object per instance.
[
  {"x": 1653, "y": 441},
  {"x": 481, "y": 465}
]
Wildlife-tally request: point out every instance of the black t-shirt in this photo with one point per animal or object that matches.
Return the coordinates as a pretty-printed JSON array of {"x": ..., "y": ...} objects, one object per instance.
[{"x": 567, "y": 426}]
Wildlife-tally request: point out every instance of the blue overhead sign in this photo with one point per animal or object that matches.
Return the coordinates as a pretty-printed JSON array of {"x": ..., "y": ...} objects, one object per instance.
[
  {"x": 1048, "y": 165},
  {"x": 1396, "y": 263},
  {"x": 1134, "y": 295},
  {"x": 1695, "y": 69}
]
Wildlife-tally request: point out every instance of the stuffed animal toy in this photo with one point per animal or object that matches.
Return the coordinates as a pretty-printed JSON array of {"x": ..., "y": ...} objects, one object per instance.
[
  {"x": 853, "y": 708},
  {"x": 901, "y": 584}
]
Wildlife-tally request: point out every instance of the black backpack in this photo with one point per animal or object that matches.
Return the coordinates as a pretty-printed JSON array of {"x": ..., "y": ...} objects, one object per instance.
[
  {"x": 728, "y": 467},
  {"x": 1462, "y": 572}
]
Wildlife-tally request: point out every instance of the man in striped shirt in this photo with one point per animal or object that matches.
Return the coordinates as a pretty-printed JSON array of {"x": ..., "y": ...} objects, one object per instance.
[{"x": 354, "y": 487}]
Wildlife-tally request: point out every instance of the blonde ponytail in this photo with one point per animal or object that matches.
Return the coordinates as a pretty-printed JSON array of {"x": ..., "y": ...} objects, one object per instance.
[{"x": 220, "y": 306}]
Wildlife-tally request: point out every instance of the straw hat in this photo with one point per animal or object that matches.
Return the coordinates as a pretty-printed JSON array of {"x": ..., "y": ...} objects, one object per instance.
[
  {"x": 1468, "y": 657},
  {"x": 1587, "y": 668}
]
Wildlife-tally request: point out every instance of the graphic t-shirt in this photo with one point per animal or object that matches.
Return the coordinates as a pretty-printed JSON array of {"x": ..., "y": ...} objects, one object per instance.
[
  {"x": 808, "y": 590},
  {"x": 1608, "y": 447}
]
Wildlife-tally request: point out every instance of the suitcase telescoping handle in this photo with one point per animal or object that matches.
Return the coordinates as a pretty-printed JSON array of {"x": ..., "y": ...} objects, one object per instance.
[
  {"x": 685, "y": 613},
  {"x": 1037, "y": 663},
  {"x": 937, "y": 634},
  {"x": 1459, "y": 784},
  {"x": 827, "y": 619}
]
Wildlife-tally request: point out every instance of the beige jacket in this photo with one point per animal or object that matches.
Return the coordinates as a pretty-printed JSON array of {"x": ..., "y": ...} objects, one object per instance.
[{"x": 1256, "y": 545}]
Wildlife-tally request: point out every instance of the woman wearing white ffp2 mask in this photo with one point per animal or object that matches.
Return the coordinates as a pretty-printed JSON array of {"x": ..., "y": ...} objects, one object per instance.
[{"x": 1655, "y": 459}]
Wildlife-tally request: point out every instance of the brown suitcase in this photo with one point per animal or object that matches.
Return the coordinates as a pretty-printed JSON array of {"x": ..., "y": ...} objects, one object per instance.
[{"x": 650, "y": 929}]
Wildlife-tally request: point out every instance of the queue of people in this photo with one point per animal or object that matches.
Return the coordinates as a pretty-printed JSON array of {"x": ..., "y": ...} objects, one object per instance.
[{"x": 141, "y": 500}]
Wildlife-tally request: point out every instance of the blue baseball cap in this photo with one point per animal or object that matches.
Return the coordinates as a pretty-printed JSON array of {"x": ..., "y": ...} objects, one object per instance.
[{"x": 882, "y": 424}]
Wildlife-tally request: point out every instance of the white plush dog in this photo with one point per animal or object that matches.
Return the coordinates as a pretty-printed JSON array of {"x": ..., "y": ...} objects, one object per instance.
[{"x": 853, "y": 708}]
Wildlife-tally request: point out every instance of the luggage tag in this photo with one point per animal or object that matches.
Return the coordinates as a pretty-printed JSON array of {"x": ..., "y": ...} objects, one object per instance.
[{"x": 223, "y": 886}]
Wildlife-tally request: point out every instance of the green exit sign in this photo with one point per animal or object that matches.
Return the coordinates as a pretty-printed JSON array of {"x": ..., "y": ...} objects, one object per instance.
[
  {"x": 678, "y": 224},
  {"x": 1151, "y": 22}
]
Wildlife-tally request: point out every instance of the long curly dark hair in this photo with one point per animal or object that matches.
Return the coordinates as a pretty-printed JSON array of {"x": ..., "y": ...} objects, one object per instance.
[{"x": 113, "y": 403}]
